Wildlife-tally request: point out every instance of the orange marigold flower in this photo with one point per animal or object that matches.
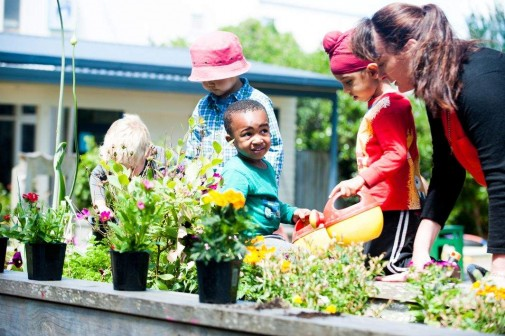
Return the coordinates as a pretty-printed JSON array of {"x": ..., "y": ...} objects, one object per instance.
[{"x": 235, "y": 198}]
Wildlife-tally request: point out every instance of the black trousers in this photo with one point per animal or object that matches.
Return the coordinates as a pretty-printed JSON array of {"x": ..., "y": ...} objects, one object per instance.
[{"x": 396, "y": 240}]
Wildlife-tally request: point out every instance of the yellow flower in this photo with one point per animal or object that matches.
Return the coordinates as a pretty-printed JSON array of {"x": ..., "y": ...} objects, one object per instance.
[
  {"x": 485, "y": 289},
  {"x": 257, "y": 239},
  {"x": 218, "y": 198},
  {"x": 256, "y": 254},
  {"x": 252, "y": 258},
  {"x": 331, "y": 309},
  {"x": 235, "y": 198},
  {"x": 286, "y": 266},
  {"x": 297, "y": 299}
]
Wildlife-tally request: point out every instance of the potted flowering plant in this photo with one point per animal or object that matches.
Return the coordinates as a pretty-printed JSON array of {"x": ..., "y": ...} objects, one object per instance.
[
  {"x": 221, "y": 246},
  {"x": 41, "y": 229},
  {"x": 138, "y": 205}
]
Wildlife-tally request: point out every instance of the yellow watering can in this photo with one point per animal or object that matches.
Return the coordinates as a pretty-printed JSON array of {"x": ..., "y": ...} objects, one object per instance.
[{"x": 357, "y": 223}]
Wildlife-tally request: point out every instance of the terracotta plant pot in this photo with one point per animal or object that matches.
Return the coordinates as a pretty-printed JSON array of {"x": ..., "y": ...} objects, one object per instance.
[
  {"x": 44, "y": 261},
  {"x": 129, "y": 270},
  {"x": 218, "y": 281}
]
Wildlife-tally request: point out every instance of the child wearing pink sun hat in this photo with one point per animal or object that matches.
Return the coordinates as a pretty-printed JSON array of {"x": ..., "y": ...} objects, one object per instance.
[
  {"x": 217, "y": 56},
  {"x": 218, "y": 62},
  {"x": 386, "y": 152}
]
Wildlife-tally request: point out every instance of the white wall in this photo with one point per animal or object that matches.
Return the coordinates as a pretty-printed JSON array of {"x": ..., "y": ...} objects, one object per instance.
[{"x": 165, "y": 114}]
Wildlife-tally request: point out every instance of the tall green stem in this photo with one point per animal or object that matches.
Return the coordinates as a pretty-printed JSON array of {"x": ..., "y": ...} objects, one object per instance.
[
  {"x": 74, "y": 95},
  {"x": 59, "y": 181}
]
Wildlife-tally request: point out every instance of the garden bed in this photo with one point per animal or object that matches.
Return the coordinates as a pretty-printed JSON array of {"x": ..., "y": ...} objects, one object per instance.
[{"x": 80, "y": 307}]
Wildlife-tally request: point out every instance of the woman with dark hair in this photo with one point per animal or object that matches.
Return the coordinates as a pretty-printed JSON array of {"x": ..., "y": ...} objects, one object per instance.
[{"x": 463, "y": 87}]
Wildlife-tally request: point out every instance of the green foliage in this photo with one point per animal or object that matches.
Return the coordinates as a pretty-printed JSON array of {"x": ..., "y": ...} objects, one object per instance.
[
  {"x": 225, "y": 228},
  {"x": 442, "y": 302},
  {"x": 489, "y": 30},
  {"x": 137, "y": 204},
  {"x": 5, "y": 199},
  {"x": 33, "y": 222},
  {"x": 87, "y": 162},
  {"x": 93, "y": 265},
  {"x": 424, "y": 143},
  {"x": 179, "y": 276},
  {"x": 336, "y": 282}
]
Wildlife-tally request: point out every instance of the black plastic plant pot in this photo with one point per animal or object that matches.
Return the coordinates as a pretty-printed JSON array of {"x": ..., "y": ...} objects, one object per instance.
[
  {"x": 129, "y": 270},
  {"x": 3, "y": 251},
  {"x": 218, "y": 281},
  {"x": 44, "y": 261}
]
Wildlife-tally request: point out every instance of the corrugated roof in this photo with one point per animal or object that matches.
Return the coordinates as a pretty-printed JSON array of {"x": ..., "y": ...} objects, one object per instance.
[{"x": 38, "y": 59}]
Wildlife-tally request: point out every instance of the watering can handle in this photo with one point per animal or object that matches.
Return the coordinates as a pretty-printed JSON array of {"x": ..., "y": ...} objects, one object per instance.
[{"x": 333, "y": 215}]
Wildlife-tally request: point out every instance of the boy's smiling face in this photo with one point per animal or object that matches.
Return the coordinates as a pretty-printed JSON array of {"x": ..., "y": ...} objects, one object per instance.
[{"x": 251, "y": 133}]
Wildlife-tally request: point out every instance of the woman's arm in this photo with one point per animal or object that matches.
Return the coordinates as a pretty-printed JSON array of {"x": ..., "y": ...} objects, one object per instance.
[{"x": 425, "y": 237}]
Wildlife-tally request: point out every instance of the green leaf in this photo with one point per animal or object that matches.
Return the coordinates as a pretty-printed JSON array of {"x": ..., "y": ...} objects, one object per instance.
[
  {"x": 117, "y": 167},
  {"x": 166, "y": 277},
  {"x": 217, "y": 147},
  {"x": 123, "y": 180}
]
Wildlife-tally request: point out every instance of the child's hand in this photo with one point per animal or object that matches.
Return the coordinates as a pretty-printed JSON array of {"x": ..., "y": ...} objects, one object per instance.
[
  {"x": 301, "y": 214},
  {"x": 307, "y": 216},
  {"x": 348, "y": 188}
]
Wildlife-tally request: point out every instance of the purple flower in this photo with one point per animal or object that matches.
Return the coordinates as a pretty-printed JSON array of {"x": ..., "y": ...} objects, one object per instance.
[
  {"x": 104, "y": 216},
  {"x": 82, "y": 214},
  {"x": 141, "y": 205}
]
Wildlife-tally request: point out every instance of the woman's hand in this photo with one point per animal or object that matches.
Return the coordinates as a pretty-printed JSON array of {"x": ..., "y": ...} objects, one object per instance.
[{"x": 348, "y": 188}]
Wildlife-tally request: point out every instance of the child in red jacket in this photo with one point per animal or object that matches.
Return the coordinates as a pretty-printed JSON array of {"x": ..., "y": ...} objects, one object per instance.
[{"x": 386, "y": 153}]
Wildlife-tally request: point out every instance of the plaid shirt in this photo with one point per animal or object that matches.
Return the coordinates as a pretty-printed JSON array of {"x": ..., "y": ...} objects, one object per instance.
[{"x": 211, "y": 109}]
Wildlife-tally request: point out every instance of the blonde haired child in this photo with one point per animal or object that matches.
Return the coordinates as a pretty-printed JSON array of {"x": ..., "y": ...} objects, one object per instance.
[{"x": 128, "y": 142}]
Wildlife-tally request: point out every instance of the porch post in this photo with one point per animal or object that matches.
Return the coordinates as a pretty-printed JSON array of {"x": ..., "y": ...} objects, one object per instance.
[{"x": 333, "y": 171}]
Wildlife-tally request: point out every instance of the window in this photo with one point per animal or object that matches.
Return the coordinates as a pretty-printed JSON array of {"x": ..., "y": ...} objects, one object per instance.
[
  {"x": 11, "y": 15},
  {"x": 17, "y": 134},
  {"x": 95, "y": 123}
]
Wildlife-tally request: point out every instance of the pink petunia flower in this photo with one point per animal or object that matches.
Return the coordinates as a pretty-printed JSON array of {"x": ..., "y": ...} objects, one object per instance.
[
  {"x": 141, "y": 205},
  {"x": 148, "y": 184}
]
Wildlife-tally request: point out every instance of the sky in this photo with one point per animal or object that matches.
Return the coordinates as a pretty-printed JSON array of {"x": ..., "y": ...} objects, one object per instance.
[
  {"x": 350, "y": 12},
  {"x": 161, "y": 21}
]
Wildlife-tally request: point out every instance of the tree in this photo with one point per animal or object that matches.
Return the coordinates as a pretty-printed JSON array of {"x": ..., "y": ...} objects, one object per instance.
[
  {"x": 490, "y": 30},
  {"x": 263, "y": 43}
]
